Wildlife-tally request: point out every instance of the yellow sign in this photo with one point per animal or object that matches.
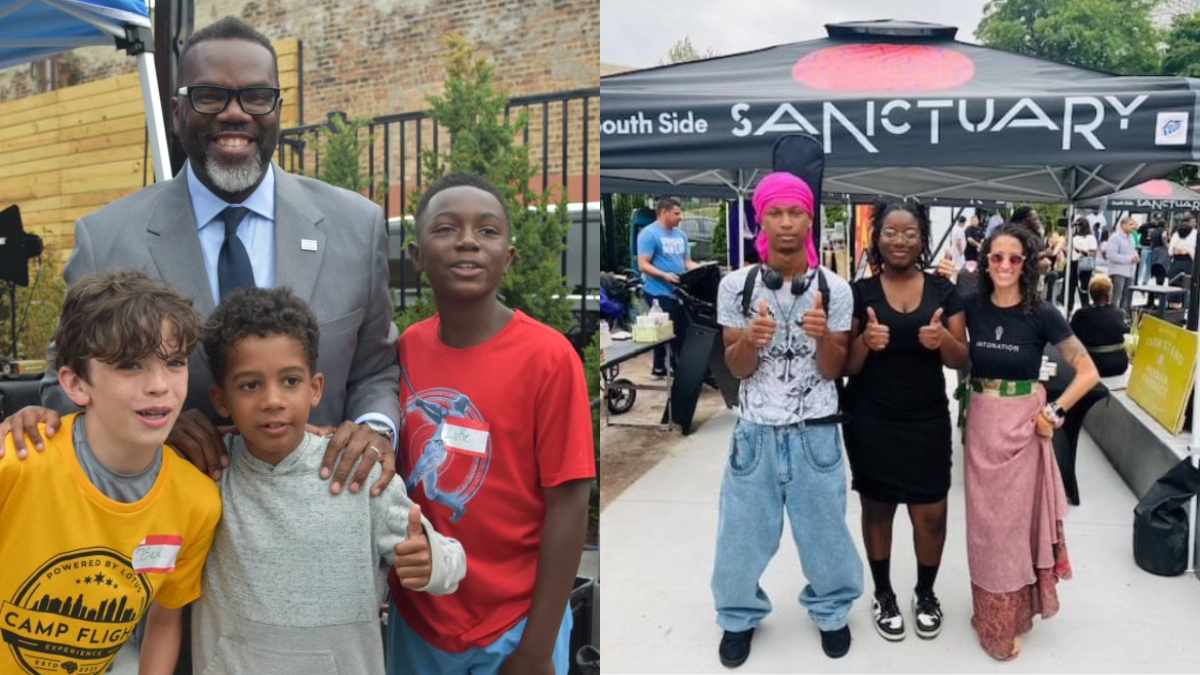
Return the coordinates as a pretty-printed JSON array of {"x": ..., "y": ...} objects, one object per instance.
[{"x": 1161, "y": 380}]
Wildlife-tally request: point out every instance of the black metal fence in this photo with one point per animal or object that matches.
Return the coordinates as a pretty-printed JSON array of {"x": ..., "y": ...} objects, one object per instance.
[{"x": 396, "y": 143}]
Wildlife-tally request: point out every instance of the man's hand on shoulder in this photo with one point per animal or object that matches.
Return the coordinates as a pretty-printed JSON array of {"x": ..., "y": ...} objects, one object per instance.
[
  {"x": 198, "y": 440},
  {"x": 350, "y": 443},
  {"x": 23, "y": 426}
]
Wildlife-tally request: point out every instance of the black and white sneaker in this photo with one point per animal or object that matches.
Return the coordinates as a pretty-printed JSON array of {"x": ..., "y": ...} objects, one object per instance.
[
  {"x": 889, "y": 622},
  {"x": 927, "y": 615}
]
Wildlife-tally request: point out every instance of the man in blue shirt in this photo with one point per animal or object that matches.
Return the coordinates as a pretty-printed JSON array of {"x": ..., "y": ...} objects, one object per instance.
[{"x": 662, "y": 253}]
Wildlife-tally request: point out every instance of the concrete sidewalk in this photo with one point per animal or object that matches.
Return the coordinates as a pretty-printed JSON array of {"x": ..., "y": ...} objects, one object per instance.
[{"x": 657, "y": 616}]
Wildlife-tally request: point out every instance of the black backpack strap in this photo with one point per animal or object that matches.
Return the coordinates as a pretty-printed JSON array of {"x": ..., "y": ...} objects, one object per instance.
[
  {"x": 823, "y": 287},
  {"x": 748, "y": 290}
]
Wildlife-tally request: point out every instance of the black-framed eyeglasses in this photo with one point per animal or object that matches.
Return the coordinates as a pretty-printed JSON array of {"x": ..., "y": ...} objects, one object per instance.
[{"x": 211, "y": 100}]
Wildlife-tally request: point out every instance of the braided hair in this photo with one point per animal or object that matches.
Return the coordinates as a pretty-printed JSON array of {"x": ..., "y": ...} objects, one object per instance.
[{"x": 881, "y": 211}]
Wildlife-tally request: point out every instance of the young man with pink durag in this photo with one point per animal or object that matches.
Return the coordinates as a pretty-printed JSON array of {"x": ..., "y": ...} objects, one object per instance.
[{"x": 786, "y": 326}]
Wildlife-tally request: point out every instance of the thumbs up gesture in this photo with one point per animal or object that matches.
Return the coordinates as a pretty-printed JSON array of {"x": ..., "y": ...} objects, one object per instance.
[
  {"x": 414, "y": 558},
  {"x": 946, "y": 267},
  {"x": 875, "y": 335},
  {"x": 930, "y": 335},
  {"x": 814, "y": 321},
  {"x": 762, "y": 326}
]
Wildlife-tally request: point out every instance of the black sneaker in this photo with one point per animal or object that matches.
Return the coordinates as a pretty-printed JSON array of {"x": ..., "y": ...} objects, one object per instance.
[
  {"x": 889, "y": 622},
  {"x": 735, "y": 647},
  {"x": 836, "y": 643},
  {"x": 927, "y": 615}
]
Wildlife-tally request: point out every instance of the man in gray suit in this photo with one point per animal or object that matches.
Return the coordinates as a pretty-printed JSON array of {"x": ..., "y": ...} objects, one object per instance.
[{"x": 232, "y": 218}]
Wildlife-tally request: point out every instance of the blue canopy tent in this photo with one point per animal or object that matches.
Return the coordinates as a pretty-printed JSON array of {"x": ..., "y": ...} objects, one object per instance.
[{"x": 36, "y": 29}]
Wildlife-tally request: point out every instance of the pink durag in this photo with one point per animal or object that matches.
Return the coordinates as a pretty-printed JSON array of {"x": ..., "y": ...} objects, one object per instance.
[{"x": 782, "y": 188}]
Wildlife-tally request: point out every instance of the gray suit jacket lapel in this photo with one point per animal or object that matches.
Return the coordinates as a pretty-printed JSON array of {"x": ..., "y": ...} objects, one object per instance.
[
  {"x": 296, "y": 220},
  {"x": 174, "y": 243}
]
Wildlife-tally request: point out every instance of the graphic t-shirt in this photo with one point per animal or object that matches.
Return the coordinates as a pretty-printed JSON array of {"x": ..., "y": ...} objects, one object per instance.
[
  {"x": 80, "y": 569},
  {"x": 786, "y": 388},
  {"x": 667, "y": 250},
  {"x": 1007, "y": 342},
  {"x": 485, "y": 430}
]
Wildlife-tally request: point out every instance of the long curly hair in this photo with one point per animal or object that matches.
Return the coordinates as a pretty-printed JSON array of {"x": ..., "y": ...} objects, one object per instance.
[
  {"x": 881, "y": 211},
  {"x": 1029, "y": 271}
]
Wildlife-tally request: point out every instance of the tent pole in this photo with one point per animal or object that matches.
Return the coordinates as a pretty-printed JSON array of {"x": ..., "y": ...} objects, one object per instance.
[
  {"x": 729, "y": 249},
  {"x": 741, "y": 228},
  {"x": 155, "y": 126},
  {"x": 1072, "y": 281}
]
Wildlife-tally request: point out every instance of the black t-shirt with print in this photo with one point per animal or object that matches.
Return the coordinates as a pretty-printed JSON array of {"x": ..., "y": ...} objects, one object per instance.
[{"x": 1007, "y": 342}]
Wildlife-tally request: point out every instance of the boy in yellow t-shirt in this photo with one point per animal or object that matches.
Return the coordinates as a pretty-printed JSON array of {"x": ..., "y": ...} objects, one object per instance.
[{"x": 106, "y": 525}]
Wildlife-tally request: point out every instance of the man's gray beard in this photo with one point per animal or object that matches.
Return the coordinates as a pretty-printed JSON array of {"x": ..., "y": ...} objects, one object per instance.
[{"x": 234, "y": 179}]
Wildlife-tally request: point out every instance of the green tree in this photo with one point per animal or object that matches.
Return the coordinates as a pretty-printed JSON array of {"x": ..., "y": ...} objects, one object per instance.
[
  {"x": 1182, "y": 56},
  {"x": 720, "y": 247},
  {"x": 471, "y": 110},
  {"x": 683, "y": 51},
  {"x": 623, "y": 208},
  {"x": 342, "y": 148},
  {"x": 1116, "y": 36}
]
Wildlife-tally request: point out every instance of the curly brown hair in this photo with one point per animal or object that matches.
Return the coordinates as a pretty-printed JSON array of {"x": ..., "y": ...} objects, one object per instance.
[
  {"x": 1029, "y": 272},
  {"x": 122, "y": 318}
]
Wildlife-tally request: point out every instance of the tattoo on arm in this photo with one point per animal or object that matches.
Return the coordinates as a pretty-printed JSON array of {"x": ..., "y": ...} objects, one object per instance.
[{"x": 1072, "y": 349}]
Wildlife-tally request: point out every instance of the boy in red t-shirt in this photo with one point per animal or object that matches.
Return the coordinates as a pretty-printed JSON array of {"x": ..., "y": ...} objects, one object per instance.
[{"x": 496, "y": 448}]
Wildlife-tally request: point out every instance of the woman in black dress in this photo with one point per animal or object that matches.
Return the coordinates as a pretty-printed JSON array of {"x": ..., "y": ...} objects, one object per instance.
[{"x": 908, "y": 325}]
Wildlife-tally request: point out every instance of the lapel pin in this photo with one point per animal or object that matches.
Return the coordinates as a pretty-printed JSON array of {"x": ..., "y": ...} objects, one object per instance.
[{"x": 308, "y": 244}]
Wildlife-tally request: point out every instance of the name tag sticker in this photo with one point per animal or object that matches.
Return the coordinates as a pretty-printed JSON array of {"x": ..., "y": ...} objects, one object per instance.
[
  {"x": 157, "y": 553},
  {"x": 308, "y": 244},
  {"x": 465, "y": 435}
]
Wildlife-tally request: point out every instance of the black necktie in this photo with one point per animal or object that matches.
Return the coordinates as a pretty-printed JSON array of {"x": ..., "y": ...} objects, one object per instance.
[{"x": 233, "y": 263}]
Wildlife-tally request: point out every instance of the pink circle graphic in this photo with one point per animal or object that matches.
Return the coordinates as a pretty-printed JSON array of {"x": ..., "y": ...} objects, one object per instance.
[
  {"x": 1159, "y": 189},
  {"x": 883, "y": 67}
]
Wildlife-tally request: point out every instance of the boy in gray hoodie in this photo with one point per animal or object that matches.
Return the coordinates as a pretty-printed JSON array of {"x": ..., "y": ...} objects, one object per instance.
[{"x": 296, "y": 575}]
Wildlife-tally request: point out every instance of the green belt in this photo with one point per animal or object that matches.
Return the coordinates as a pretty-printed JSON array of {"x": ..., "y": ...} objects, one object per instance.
[
  {"x": 1003, "y": 387},
  {"x": 1106, "y": 349}
]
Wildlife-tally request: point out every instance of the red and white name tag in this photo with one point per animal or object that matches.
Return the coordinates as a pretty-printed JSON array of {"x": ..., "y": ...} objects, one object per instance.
[
  {"x": 157, "y": 553},
  {"x": 465, "y": 435}
]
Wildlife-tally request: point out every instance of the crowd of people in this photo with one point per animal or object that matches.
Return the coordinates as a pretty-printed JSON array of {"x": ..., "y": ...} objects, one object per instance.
[
  {"x": 793, "y": 331},
  {"x": 211, "y": 476}
]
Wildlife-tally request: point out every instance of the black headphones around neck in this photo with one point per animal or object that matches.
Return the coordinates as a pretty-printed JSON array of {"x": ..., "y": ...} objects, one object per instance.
[{"x": 773, "y": 280}]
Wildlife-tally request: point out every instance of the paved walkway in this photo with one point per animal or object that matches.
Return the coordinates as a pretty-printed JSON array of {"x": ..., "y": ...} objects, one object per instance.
[{"x": 657, "y": 615}]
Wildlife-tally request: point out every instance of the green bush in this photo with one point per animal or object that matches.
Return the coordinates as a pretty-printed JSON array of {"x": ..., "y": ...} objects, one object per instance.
[{"x": 38, "y": 307}]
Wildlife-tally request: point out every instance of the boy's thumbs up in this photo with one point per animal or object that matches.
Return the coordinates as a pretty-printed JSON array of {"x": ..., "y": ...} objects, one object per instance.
[
  {"x": 414, "y": 557},
  {"x": 871, "y": 318},
  {"x": 818, "y": 301},
  {"x": 937, "y": 317},
  {"x": 415, "y": 529},
  {"x": 763, "y": 311}
]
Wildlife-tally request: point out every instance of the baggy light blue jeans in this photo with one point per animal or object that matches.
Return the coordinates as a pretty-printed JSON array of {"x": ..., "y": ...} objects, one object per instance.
[{"x": 771, "y": 469}]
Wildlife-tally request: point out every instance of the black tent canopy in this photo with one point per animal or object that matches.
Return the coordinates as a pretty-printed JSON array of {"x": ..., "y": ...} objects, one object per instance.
[
  {"x": 903, "y": 110},
  {"x": 1153, "y": 195}
]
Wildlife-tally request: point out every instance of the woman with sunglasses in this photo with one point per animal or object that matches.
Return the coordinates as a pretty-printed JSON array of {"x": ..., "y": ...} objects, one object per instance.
[
  {"x": 1015, "y": 499},
  {"x": 908, "y": 325}
]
